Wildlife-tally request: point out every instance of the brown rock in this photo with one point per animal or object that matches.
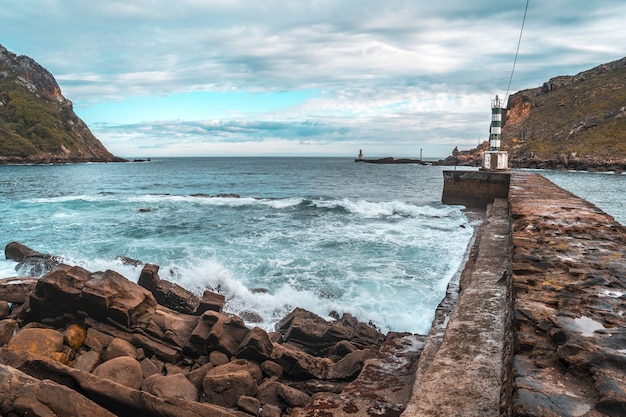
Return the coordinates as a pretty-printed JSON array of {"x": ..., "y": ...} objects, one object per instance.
[
  {"x": 173, "y": 386},
  {"x": 210, "y": 301},
  {"x": 225, "y": 334},
  {"x": 167, "y": 293},
  {"x": 74, "y": 336},
  {"x": 270, "y": 410},
  {"x": 149, "y": 368},
  {"x": 87, "y": 361},
  {"x": 24, "y": 395},
  {"x": 239, "y": 365},
  {"x": 4, "y": 309},
  {"x": 119, "y": 347},
  {"x": 281, "y": 395},
  {"x": 123, "y": 370},
  {"x": 256, "y": 346},
  {"x": 271, "y": 368},
  {"x": 249, "y": 405},
  {"x": 197, "y": 375},
  {"x": 17, "y": 290},
  {"x": 109, "y": 296},
  {"x": 225, "y": 389},
  {"x": 218, "y": 358},
  {"x": 97, "y": 340},
  {"x": 36, "y": 341},
  {"x": 7, "y": 327}
]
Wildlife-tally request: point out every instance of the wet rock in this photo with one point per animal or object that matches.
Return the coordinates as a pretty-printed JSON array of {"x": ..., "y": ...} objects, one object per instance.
[
  {"x": 167, "y": 293},
  {"x": 17, "y": 290},
  {"x": 256, "y": 346}
]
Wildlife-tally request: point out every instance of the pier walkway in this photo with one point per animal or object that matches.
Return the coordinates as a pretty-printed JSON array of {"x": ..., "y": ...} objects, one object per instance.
[{"x": 538, "y": 328}]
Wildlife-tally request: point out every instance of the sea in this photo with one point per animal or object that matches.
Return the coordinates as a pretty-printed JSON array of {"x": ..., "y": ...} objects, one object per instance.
[{"x": 271, "y": 234}]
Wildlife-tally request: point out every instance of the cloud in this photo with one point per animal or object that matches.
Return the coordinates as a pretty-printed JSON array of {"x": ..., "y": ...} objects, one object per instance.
[{"x": 411, "y": 70}]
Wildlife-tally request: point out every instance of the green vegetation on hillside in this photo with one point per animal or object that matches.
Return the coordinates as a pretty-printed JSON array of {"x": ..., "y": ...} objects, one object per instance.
[
  {"x": 585, "y": 117},
  {"x": 30, "y": 123}
]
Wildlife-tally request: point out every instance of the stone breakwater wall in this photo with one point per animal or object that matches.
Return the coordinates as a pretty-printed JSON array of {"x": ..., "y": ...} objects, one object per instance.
[{"x": 539, "y": 331}]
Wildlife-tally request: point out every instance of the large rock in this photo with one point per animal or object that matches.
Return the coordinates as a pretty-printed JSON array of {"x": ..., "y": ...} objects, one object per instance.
[
  {"x": 167, "y": 293},
  {"x": 23, "y": 395},
  {"x": 225, "y": 388},
  {"x": 44, "y": 342},
  {"x": 17, "y": 290},
  {"x": 103, "y": 295},
  {"x": 172, "y": 386},
  {"x": 123, "y": 370}
]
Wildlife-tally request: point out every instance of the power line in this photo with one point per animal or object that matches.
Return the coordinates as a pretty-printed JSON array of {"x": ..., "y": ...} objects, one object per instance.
[{"x": 519, "y": 41}]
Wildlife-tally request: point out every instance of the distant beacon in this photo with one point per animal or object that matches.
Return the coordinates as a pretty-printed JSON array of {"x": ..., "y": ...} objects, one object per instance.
[{"x": 495, "y": 159}]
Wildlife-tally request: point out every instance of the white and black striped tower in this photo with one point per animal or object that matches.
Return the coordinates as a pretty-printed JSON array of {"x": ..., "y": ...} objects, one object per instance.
[
  {"x": 494, "y": 159},
  {"x": 496, "y": 125}
]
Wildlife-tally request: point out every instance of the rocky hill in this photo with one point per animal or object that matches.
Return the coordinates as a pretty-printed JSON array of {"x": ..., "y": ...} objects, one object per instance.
[
  {"x": 573, "y": 122},
  {"x": 38, "y": 124}
]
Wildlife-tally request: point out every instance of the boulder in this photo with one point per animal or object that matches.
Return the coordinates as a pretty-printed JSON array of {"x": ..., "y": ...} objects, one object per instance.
[
  {"x": 149, "y": 367},
  {"x": 218, "y": 358},
  {"x": 17, "y": 290},
  {"x": 256, "y": 346},
  {"x": 119, "y": 347},
  {"x": 7, "y": 328},
  {"x": 4, "y": 309},
  {"x": 44, "y": 342},
  {"x": 249, "y": 405},
  {"x": 97, "y": 340},
  {"x": 74, "y": 336},
  {"x": 224, "y": 389},
  {"x": 239, "y": 365},
  {"x": 109, "y": 296},
  {"x": 87, "y": 361},
  {"x": 173, "y": 386},
  {"x": 30, "y": 262},
  {"x": 23, "y": 395},
  {"x": 281, "y": 395},
  {"x": 215, "y": 331},
  {"x": 167, "y": 293},
  {"x": 210, "y": 301},
  {"x": 124, "y": 370},
  {"x": 117, "y": 398}
]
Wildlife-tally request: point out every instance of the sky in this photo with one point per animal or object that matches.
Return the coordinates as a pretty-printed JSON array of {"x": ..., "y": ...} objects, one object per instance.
[{"x": 303, "y": 77}]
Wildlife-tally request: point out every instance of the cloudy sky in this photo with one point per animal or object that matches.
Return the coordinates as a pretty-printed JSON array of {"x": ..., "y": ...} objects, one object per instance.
[{"x": 303, "y": 77}]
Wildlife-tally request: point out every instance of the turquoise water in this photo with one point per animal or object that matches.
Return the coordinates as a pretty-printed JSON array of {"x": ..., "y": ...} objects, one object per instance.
[{"x": 325, "y": 234}]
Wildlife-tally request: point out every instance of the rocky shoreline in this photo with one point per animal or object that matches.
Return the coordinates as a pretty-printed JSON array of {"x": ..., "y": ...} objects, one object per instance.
[{"x": 115, "y": 347}]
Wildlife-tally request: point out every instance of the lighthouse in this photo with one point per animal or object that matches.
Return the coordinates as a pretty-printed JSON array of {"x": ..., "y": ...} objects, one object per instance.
[{"x": 494, "y": 159}]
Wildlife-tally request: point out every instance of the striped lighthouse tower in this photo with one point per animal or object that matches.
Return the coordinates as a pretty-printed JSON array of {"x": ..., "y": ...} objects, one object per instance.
[
  {"x": 494, "y": 159},
  {"x": 496, "y": 125}
]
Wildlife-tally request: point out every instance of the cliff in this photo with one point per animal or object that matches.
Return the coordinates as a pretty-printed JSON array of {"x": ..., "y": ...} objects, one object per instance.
[
  {"x": 38, "y": 124},
  {"x": 570, "y": 122}
]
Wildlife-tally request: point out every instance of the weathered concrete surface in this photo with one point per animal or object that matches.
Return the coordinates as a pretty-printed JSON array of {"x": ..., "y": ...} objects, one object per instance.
[
  {"x": 569, "y": 277},
  {"x": 474, "y": 189},
  {"x": 464, "y": 377}
]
